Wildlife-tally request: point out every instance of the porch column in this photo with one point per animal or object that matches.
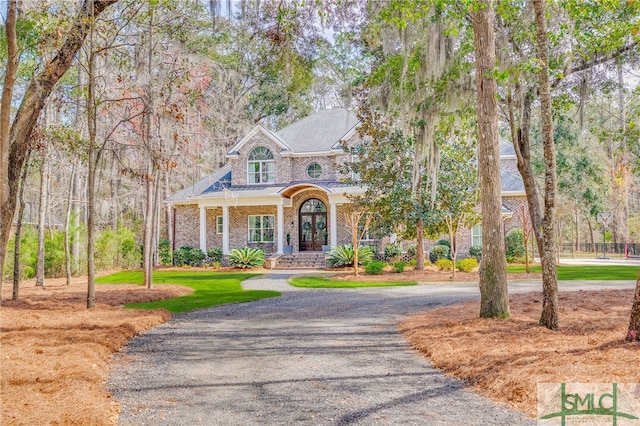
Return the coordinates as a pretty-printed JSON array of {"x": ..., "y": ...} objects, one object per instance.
[
  {"x": 203, "y": 229},
  {"x": 333, "y": 234},
  {"x": 280, "y": 227},
  {"x": 225, "y": 229}
]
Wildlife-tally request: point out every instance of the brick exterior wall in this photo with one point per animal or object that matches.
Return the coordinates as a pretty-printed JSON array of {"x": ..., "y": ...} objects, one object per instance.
[
  {"x": 239, "y": 165},
  {"x": 187, "y": 226}
]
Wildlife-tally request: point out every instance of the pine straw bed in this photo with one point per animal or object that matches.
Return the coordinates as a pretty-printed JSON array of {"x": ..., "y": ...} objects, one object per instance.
[
  {"x": 505, "y": 359},
  {"x": 55, "y": 352}
]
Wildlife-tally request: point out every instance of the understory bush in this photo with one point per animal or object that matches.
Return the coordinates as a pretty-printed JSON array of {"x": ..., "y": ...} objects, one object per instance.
[
  {"x": 412, "y": 251},
  {"x": 343, "y": 255},
  {"x": 515, "y": 249},
  {"x": 467, "y": 265},
  {"x": 374, "y": 267},
  {"x": 188, "y": 256},
  {"x": 444, "y": 264},
  {"x": 214, "y": 256},
  {"x": 399, "y": 266},
  {"x": 476, "y": 252},
  {"x": 439, "y": 251},
  {"x": 164, "y": 252},
  {"x": 246, "y": 257},
  {"x": 392, "y": 251}
]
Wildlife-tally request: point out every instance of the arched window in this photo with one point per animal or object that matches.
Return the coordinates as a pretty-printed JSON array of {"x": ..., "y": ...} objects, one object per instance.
[{"x": 260, "y": 166}]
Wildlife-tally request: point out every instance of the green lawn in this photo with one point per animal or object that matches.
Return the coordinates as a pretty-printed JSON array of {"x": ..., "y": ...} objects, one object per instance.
[
  {"x": 587, "y": 272},
  {"x": 210, "y": 289},
  {"x": 317, "y": 282}
]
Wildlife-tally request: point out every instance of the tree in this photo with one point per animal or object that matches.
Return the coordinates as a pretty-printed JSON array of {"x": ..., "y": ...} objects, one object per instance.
[
  {"x": 458, "y": 187},
  {"x": 358, "y": 221},
  {"x": 419, "y": 79},
  {"x": 15, "y": 143},
  {"x": 549, "y": 316},
  {"x": 385, "y": 167},
  {"x": 494, "y": 298}
]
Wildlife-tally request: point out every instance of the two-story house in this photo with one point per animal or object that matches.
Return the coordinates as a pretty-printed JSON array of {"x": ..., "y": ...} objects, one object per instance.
[{"x": 280, "y": 186}]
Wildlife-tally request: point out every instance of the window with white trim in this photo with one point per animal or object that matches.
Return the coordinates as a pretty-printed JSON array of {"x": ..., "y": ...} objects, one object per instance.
[
  {"x": 476, "y": 235},
  {"x": 260, "y": 166},
  {"x": 218, "y": 224},
  {"x": 262, "y": 228},
  {"x": 355, "y": 175}
]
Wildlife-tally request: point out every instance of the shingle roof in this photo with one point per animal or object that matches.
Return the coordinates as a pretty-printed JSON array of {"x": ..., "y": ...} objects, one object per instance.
[
  {"x": 506, "y": 148},
  {"x": 511, "y": 182},
  {"x": 203, "y": 185},
  {"x": 318, "y": 132}
]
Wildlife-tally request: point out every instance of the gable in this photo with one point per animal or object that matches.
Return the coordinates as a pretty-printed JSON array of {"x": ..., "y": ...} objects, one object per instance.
[{"x": 257, "y": 131}]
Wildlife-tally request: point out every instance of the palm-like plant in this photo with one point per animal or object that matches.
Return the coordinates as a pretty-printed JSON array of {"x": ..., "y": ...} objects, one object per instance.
[
  {"x": 246, "y": 257},
  {"x": 343, "y": 255}
]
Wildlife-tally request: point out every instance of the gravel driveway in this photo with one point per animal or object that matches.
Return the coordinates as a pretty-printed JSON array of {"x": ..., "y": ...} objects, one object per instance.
[{"x": 311, "y": 357}]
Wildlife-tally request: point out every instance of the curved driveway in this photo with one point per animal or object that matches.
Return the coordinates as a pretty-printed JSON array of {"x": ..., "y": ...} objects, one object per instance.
[{"x": 310, "y": 357}]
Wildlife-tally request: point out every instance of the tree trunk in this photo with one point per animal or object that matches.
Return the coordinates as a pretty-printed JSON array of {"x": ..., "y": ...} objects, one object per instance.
[
  {"x": 633, "y": 334},
  {"x": 13, "y": 148},
  {"x": 42, "y": 214},
  {"x": 420, "y": 245},
  {"x": 10, "y": 74},
  {"x": 549, "y": 317},
  {"x": 94, "y": 158},
  {"x": 67, "y": 223},
  {"x": 151, "y": 173},
  {"x": 494, "y": 298},
  {"x": 18, "y": 242}
]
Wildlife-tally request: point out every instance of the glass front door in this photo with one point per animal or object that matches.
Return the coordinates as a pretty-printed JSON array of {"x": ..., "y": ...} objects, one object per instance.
[{"x": 313, "y": 225}]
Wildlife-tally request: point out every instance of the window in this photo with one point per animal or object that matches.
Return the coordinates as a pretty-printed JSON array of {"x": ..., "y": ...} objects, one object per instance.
[
  {"x": 476, "y": 235},
  {"x": 262, "y": 229},
  {"x": 260, "y": 166},
  {"x": 314, "y": 170},
  {"x": 355, "y": 175},
  {"x": 218, "y": 224}
]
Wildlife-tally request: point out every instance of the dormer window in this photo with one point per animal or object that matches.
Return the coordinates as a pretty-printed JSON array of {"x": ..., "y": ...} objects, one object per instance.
[{"x": 260, "y": 166}]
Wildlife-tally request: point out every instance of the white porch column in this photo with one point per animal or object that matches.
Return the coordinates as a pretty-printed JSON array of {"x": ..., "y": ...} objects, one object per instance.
[
  {"x": 333, "y": 233},
  {"x": 225, "y": 229},
  {"x": 203, "y": 229},
  {"x": 280, "y": 226}
]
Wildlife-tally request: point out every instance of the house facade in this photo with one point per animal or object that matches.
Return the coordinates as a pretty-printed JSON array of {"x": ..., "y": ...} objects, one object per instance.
[{"x": 281, "y": 190}]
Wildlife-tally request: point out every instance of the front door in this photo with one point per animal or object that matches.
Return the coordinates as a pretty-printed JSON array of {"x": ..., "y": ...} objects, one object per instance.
[{"x": 313, "y": 225}]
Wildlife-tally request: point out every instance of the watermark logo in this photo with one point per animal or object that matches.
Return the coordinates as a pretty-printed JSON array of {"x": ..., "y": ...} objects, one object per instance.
[{"x": 616, "y": 404}]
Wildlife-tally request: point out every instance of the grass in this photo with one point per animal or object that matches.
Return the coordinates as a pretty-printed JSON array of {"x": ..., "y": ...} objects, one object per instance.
[
  {"x": 586, "y": 272},
  {"x": 210, "y": 289},
  {"x": 317, "y": 282}
]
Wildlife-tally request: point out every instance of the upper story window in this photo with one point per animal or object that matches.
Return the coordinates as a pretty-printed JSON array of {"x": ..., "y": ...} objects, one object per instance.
[
  {"x": 314, "y": 170},
  {"x": 260, "y": 166}
]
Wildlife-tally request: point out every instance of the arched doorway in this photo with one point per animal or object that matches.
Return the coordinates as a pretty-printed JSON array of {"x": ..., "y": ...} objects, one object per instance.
[{"x": 313, "y": 225}]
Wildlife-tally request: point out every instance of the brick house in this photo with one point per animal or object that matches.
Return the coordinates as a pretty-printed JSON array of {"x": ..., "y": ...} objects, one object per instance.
[{"x": 279, "y": 184}]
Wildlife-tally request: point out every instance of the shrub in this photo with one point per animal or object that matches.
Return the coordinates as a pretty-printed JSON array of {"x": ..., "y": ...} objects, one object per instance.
[
  {"x": 412, "y": 251},
  {"x": 399, "y": 266},
  {"x": 246, "y": 257},
  {"x": 214, "y": 255},
  {"x": 467, "y": 265},
  {"x": 476, "y": 251},
  {"x": 444, "y": 264},
  {"x": 392, "y": 250},
  {"x": 374, "y": 267},
  {"x": 164, "y": 252},
  {"x": 439, "y": 251},
  {"x": 343, "y": 255},
  {"x": 444, "y": 243},
  {"x": 188, "y": 256},
  {"x": 413, "y": 263},
  {"x": 515, "y": 249}
]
